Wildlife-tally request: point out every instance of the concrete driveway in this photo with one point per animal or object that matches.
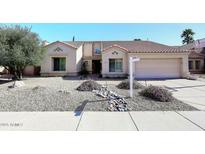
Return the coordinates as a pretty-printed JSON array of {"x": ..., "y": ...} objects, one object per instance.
[{"x": 191, "y": 92}]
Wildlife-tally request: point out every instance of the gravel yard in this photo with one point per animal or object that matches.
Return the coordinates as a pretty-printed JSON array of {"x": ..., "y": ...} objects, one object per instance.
[{"x": 60, "y": 94}]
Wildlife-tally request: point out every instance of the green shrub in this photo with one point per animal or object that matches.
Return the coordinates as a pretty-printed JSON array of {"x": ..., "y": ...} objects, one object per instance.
[
  {"x": 157, "y": 93},
  {"x": 126, "y": 85}
]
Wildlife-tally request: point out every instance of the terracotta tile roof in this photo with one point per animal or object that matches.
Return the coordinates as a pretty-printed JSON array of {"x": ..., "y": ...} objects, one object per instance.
[
  {"x": 61, "y": 43},
  {"x": 115, "y": 45},
  {"x": 76, "y": 44},
  {"x": 144, "y": 47},
  {"x": 134, "y": 46},
  {"x": 188, "y": 46},
  {"x": 194, "y": 54}
]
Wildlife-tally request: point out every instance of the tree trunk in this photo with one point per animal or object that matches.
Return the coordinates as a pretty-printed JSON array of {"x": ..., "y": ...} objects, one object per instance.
[
  {"x": 19, "y": 75},
  {"x": 15, "y": 77}
]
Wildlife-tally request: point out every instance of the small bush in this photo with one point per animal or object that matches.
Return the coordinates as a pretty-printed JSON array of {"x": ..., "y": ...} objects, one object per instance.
[
  {"x": 89, "y": 86},
  {"x": 126, "y": 85},
  {"x": 157, "y": 93}
]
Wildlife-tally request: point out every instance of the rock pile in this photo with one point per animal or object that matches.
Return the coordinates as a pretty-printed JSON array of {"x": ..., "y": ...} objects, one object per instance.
[
  {"x": 116, "y": 102},
  {"x": 89, "y": 86}
]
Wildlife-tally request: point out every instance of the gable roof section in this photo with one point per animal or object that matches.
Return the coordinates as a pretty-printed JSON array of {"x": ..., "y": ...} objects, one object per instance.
[
  {"x": 194, "y": 54},
  {"x": 144, "y": 47},
  {"x": 131, "y": 46},
  {"x": 67, "y": 44},
  {"x": 76, "y": 44},
  {"x": 188, "y": 46},
  {"x": 117, "y": 46}
]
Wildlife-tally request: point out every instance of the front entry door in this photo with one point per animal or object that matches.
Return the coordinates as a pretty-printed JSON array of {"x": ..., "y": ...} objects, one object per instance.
[{"x": 96, "y": 66}]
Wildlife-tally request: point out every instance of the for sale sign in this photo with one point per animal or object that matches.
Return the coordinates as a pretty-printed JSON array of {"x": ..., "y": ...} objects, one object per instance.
[{"x": 132, "y": 59}]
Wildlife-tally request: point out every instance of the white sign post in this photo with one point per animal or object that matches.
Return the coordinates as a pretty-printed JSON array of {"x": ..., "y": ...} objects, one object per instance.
[{"x": 132, "y": 59}]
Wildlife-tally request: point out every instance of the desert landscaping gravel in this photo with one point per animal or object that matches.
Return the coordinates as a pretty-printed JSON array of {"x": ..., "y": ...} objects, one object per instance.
[{"x": 60, "y": 94}]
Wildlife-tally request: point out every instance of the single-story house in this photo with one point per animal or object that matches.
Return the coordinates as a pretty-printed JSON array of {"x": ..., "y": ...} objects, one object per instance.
[
  {"x": 196, "y": 56},
  {"x": 111, "y": 59}
]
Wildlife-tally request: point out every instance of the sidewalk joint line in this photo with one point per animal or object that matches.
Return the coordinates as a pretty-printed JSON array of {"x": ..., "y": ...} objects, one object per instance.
[
  {"x": 79, "y": 120},
  {"x": 133, "y": 121},
  {"x": 190, "y": 121}
]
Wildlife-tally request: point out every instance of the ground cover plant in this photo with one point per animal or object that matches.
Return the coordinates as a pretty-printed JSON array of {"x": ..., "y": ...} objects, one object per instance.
[
  {"x": 125, "y": 84},
  {"x": 157, "y": 93},
  {"x": 41, "y": 94}
]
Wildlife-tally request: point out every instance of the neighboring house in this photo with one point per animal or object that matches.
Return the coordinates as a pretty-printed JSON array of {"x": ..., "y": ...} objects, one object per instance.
[
  {"x": 111, "y": 59},
  {"x": 28, "y": 71},
  {"x": 1, "y": 70},
  {"x": 196, "y": 56},
  {"x": 32, "y": 71}
]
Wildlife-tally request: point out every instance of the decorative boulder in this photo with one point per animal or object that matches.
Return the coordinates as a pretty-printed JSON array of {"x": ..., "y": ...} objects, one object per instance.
[{"x": 17, "y": 84}]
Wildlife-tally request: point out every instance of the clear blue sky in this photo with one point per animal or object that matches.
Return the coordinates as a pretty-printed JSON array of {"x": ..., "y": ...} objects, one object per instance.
[{"x": 163, "y": 33}]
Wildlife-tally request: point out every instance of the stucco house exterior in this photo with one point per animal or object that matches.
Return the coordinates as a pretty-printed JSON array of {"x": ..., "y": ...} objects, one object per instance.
[
  {"x": 111, "y": 59},
  {"x": 62, "y": 59},
  {"x": 196, "y": 56}
]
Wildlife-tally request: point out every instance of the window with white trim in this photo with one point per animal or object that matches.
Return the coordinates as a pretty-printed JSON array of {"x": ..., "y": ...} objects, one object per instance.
[
  {"x": 115, "y": 65},
  {"x": 59, "y": 64}
]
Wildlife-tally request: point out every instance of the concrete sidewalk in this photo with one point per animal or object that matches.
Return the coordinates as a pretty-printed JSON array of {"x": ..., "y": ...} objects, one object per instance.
[{"x": 100, "y": 121}]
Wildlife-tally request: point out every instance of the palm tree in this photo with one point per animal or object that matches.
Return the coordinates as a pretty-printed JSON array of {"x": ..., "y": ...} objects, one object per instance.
[{"x": 187, "y": 36}]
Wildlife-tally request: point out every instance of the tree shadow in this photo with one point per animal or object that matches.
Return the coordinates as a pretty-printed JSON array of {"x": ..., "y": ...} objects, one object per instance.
[
  {"x": 3, "y": 81},
  {"x": 80, "y": 108}
]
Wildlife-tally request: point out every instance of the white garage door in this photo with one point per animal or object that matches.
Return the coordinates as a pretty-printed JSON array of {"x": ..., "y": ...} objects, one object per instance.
[{"x": 158, "y": 68}]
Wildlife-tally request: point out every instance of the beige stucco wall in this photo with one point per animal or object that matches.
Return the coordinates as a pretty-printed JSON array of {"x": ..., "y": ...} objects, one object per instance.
[
  {"x": 87, "y": 51},
  {"x": 88, "y": 54},
  {"x": 79, "y": 55},
  {"x": 125, "y": 56},
  {"x": 72, "y": 59},
  {"x": 105, "y": 62}
]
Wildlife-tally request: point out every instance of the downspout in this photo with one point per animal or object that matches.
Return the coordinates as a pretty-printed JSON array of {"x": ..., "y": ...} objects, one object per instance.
[
  {"x": 83, "y": 50},
  {"x": 101, "y": 48}
]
